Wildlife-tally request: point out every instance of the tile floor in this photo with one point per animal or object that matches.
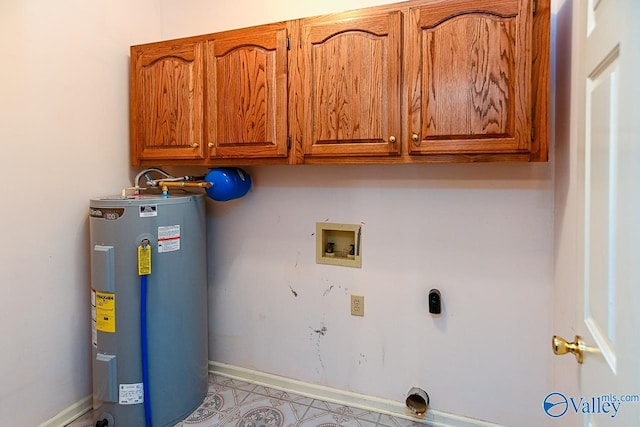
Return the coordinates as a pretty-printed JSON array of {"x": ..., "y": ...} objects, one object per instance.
[{"x": 238, "y": 403}]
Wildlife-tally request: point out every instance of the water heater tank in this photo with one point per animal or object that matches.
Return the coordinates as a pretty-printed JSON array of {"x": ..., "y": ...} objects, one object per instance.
[{"x": 176, "y": 312}]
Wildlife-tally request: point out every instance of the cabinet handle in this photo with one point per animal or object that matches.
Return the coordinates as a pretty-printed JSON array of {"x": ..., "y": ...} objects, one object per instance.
[
  {"x": 210, "y": 145},
  {"x": 415, "y": 137},
  {"x": 195, "y": 145},
  {"x": 392, "y": 139}
]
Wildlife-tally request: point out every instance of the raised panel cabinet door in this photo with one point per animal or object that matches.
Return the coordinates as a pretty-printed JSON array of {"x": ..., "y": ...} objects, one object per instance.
[
  {"x": 351, "y": 84},
  {"x": 247, "y": 93},
  {"x": 166, "y": 102},
  {"x": 469, "y": 77}
]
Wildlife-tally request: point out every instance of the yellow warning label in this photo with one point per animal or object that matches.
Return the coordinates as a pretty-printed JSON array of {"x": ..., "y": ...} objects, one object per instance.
[
  {"x": 144, "y": 260},
  {"x": 105, "y": 311}
]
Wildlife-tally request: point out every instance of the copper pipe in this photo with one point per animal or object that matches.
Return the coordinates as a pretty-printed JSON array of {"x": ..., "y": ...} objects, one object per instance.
[{"x": 183, "y": 184}]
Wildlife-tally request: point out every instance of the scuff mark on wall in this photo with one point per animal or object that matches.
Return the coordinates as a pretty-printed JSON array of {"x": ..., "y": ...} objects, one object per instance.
[
  {"x": 363, "y": 359},
  {"x": 327, "y": 291},
  {"x": 295, "y": 294},
  {"x": 346, "y": 290},
  {"x": 325, "y": 279},
  {"x": 322, "y": 331},
  {"x": 319, "y": 333}
]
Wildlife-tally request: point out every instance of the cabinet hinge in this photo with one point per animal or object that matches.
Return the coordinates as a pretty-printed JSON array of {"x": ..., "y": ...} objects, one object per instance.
[
  {"x": 533, "y": 133},
  {"x": 288, "y": 43},
  {"x": 535, "y": 7},
  {"x": 288, "y": 143}
]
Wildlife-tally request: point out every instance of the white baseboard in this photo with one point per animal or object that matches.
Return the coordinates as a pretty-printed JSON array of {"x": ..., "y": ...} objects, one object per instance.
[
  {"x": 434, "y": 418},
  {"x": 71, "y": 413}
]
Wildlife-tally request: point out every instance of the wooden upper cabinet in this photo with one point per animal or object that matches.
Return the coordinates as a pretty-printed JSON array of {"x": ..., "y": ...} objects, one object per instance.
[
  {"x": 469, "y": 77},
  {"x": 246, "y": 81},
  {"x": 411, "y": 82},
  {"x": 166, "y": 102},
  {"x": 351, "y": 84}
]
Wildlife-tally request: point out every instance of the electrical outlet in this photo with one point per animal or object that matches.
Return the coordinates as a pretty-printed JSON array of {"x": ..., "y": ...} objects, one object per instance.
[{"x": 357, "y": 305}]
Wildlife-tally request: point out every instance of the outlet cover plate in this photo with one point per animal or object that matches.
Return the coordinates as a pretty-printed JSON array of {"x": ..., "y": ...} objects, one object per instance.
[{"x": 357, "y": 305}]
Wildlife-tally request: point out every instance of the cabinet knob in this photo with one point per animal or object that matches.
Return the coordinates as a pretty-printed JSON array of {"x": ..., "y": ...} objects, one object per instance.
[
  {"x": 195, "y": 145},
  {"x": 210, "y": 145},
  {"x": 415, "y": 137},
  {"x": 392, "y": 139}
]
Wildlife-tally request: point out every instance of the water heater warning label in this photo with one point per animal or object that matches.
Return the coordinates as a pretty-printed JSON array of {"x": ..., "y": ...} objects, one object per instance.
[
  {"x": 131, "y": 394},
  {"x": 169, "y": 238},
  {"x": 105, "y": 311}
]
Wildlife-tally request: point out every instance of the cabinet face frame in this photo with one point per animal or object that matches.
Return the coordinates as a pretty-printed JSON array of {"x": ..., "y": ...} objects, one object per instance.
[
  {"x": 246, "y": 93},
  {"x": 343, "y": 115},
  {"x": 166, "y": 102},
  {"x": 486, "y": 107}
]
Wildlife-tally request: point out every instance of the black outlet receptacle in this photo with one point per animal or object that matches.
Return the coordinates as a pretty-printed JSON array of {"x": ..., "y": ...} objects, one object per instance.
[{"x": 435, "y": 302}]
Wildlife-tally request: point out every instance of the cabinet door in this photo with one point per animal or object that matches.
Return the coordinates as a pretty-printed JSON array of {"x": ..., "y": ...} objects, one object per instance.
[
  {"x": 166, "y": 102},
  {"x": 351, "y": 84},
  {"x": 247, "y": 93},
  {"x": 469, "y": 77}
]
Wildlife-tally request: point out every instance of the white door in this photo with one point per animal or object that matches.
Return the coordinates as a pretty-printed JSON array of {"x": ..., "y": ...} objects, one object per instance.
[{"x": 598, "y": 220}]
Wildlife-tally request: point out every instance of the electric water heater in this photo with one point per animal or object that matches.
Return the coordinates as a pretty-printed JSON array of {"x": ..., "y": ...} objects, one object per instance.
[{"x": 148, "y": 304}]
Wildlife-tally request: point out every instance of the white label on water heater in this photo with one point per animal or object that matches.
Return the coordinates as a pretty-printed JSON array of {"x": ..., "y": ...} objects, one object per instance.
[
  {"x": 169, "y": 238},
  {"x": 131, "y": 394},
  {"x": 147, "y": 211},
  {"x": 94, "y": 329}
]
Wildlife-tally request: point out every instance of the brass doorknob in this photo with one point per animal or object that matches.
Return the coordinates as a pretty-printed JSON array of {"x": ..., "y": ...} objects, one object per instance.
[
  {"x": 392, "y": 139},
  {"x": 195, "y": 145},
  {"x": 415, "y": 137},
  {"x": 561, "y": 346},
  {"x": 210, "y": 145}
]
